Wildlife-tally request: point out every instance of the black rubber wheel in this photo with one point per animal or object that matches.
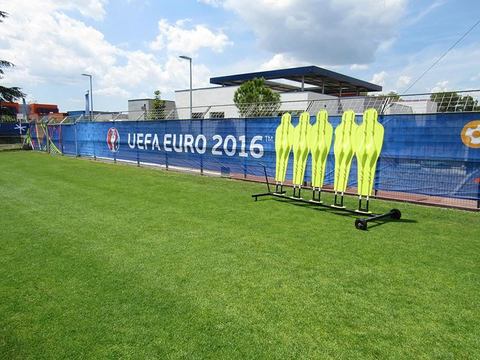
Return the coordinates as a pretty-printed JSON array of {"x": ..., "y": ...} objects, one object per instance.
[
  {"x": 396, "y": 214},
  {"x": 361, "y": 224}
]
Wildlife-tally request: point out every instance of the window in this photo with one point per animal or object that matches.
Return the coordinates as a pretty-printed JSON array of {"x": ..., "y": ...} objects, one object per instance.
[{"x": 197, "y": 115}]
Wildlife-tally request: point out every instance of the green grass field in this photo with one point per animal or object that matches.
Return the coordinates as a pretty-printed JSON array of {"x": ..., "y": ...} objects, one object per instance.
[{"x": 112, "y": 261}]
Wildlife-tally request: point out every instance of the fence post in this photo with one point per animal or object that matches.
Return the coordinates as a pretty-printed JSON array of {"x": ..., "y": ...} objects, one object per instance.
[
  {"x": 478, "y": 193},
  {"x": 245, "y": 159},
  {"x": 166, "y": 152},
  {"x": 201, "y": 155},
  {"x": 61, "y": 137},
  {"x": 75, "y": 133},
  {"x": 47, "y": 137},
  {"x": 115, "y": 153},
  {"x": 93, "y": 139},
  {"x": 138, "y": 154}
]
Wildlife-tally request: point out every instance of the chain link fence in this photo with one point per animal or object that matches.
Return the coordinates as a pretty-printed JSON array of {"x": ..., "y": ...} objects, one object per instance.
[
  {"x": 431, "y": 178},
  {"x": 426, "y": 103}
]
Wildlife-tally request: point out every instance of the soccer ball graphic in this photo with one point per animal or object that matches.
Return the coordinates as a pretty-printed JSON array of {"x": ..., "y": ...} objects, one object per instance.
[{"x": 471, "y": 134}]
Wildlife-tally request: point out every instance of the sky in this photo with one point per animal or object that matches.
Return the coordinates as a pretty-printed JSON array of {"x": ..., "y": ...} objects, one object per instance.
[{"x": 131, "y": 47}]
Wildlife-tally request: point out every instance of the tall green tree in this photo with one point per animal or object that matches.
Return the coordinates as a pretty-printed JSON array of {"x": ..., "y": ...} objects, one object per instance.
[
  {"x": 450, "y": 101},
  {"x": 158, "y": 106},
  {"x": 469, "y": 103},
  {"x": 446, "y": 100},
  {"x": 391, "y": 95},
  {"x": 8, "y": 94},
  {"x": 253, "y": 98}
]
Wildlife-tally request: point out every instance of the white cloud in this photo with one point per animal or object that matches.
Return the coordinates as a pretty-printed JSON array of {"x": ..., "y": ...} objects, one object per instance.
[
  {"x": 53, "y": 47},
  {"x": 280, "y": 61},
  {"x": 178, "y": 38},
  {"x": 330, "y": 32},
  {"x": 52, "y": 50},
  {"x": 386, "y": 45},
  {"x": 457, "y": 69},
  {"x": 358, "y": 67},
  {"x": 94, "y": 9},
  {"x": 214, "y": 3},
  {"x": 475, "y": 77},
  {"x": 415, "y": 19},
  {"x": 403, "y": 81},
  {"x": 440, "y": 86},
  {"x": 379, "y": 78},
  {"x": 113, "y": 91},
  {"x": 90, "y": 8}
]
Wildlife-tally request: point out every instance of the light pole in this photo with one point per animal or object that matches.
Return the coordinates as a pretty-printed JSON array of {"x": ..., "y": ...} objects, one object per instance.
[
  {"x": 91, "y": 96},
  {"x": 190, "y": 60}
]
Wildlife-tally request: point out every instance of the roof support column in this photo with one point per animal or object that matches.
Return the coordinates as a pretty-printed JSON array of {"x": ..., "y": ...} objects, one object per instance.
[
  {"x": 303, "y": 82},
  {"x": 323, "y": 87}
]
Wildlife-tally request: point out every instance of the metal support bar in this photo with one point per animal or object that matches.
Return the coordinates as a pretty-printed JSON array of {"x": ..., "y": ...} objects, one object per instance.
[
  {"x": 336, "y": 203},
  {"x": 266, "y": 178},
  {"x": 363, "y": 209},
  {"x": 316, "y": 191},
  {"x": 360, "y": 223}
]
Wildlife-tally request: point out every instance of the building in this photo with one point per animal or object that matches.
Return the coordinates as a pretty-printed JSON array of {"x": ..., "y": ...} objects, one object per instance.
[
  {"x": 34, "y": 111},
  {"x": 142, "y": 109},
  {"x": 417, "y": 106},
  {"x": 302, "y": 88}
]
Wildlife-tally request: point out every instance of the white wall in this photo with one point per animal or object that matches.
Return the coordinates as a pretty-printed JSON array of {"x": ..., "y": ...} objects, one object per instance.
[
  {"x": 420, "y": 106},
  {"x": 136, "y": 108},
  {"x": 220, "y": 99}
]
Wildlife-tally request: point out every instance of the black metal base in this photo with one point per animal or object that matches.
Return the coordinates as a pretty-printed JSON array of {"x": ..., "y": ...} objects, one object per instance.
[{"x": 360, "y": 223}]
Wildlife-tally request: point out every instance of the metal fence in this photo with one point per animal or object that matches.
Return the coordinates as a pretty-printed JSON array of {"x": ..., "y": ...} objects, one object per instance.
[
  {"x": 426, "y": 103},
  {"x": 424, "y": 128},
  {"x": 423, "y": 160}
]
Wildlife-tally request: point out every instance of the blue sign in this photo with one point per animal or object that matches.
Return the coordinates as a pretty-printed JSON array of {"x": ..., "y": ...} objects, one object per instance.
[
  {"x": 13, "y": 128},
  {"x": 422, "y": 154}
]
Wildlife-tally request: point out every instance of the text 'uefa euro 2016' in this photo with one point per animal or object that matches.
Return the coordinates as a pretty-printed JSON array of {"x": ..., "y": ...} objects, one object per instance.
[{"x": 188, "y": 143}]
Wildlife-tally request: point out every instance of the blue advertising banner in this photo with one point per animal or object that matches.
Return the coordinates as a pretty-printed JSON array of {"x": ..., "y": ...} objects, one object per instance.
[
  {"x": 433, "y": 154},
  {"x": 13, "y": 128}
]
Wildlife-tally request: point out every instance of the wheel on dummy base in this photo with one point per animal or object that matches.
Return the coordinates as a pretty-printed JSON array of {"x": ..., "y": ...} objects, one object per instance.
[
  {"x": 395, "y": 214},
  {"x": 361, "y": 224}
]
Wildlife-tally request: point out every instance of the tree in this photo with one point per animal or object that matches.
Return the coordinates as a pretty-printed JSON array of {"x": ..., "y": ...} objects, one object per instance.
[
  {"x": 254, "y": 98},
  {"x": 8, "y": 94},
  {"x": 158, "y": 106},
  {"x": 468, "y": 103},
  {"x": 392, "y": 95},
  {"x": 450, "y": 101}
]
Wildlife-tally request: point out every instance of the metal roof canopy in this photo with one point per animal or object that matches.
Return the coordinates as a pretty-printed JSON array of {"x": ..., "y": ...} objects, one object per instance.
[{"x": 324, "y": 81}]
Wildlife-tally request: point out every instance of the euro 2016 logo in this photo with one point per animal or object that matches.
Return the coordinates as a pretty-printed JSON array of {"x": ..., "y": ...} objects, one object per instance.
[{"x": 113, "y": 139}]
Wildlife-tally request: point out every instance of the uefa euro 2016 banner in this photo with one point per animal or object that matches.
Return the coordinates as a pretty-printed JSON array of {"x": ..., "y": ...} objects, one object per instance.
[{"x": 433, "y": 154}]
